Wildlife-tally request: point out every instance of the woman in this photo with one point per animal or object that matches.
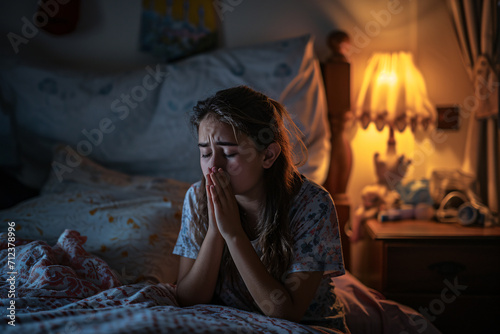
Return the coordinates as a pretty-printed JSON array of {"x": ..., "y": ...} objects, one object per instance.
[{"x": 256, "y": 234}]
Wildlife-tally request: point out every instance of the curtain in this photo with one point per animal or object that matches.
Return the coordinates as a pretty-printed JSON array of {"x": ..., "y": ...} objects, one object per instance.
[{"x": 477, "y": 29}]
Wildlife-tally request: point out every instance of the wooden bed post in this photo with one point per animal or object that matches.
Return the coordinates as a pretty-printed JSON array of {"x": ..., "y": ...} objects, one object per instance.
[{"x": 336, "y": 75}]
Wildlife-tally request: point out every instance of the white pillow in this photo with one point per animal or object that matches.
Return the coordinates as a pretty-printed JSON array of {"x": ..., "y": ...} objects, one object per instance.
[
  {"x": 131, "y": 222},
  {"x": 136, "y": 122}
]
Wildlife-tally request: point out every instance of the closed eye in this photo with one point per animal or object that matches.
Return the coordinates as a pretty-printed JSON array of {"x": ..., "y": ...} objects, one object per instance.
[{"x": 232, "y": 155}]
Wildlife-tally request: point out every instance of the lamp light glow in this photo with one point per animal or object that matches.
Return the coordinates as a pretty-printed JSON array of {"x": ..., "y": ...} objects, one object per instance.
[{"x": 393, "y": 92}]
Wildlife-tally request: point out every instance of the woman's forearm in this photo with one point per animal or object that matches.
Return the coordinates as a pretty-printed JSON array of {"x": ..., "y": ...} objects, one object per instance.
[
  {"x": 198, "y": 285},
  {"x": 272, "y": 297}
]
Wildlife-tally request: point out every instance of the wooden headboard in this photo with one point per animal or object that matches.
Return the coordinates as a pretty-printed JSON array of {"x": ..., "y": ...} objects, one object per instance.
[{"x": 336, "y": 76}]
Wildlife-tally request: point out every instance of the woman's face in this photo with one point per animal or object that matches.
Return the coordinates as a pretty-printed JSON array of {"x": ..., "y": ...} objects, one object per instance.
[{"x": 220, "y": 148}]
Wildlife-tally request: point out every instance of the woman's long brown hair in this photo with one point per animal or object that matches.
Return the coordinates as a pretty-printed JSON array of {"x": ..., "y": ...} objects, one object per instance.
[{"x": 263, "y": 120}]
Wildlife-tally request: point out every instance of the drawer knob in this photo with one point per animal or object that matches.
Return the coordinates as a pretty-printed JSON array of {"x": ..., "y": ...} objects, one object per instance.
[{"x": 447, "y": 268}]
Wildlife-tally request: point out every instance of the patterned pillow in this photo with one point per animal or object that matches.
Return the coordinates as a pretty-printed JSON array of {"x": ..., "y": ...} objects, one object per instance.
[
  {"x": 131, "y": 222},
  {"x": 136, "y": 121}
]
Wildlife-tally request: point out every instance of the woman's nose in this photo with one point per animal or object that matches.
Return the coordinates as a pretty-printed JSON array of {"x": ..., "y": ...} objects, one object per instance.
[{"x": 217, "y": 161}]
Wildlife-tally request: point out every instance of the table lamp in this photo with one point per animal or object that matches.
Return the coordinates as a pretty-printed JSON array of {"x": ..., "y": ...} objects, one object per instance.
[{"x": 393, "y": 93}]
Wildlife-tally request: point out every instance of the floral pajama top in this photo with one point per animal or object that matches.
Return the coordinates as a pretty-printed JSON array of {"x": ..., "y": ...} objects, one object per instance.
[{"x": 315, "y": 231}]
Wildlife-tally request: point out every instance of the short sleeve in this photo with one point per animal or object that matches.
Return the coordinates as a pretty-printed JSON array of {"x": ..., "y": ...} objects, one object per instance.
[
  {"x": 186, "y": 244},
  {"x": 315, "y": 233}
]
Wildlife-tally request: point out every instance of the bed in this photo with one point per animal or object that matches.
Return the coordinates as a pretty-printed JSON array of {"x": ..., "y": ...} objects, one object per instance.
[{"x": 110, "y": 157}]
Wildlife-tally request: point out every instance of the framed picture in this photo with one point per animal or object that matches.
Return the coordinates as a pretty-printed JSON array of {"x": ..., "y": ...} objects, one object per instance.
[{"x": 175, "y": 29}]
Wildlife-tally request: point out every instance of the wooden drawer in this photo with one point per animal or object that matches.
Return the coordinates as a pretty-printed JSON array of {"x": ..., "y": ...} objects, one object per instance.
[{"x": 427, "y": 267}]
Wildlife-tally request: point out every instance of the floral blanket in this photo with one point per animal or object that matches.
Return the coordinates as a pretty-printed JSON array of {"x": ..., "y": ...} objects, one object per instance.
[{"x": 64, "y": 289}]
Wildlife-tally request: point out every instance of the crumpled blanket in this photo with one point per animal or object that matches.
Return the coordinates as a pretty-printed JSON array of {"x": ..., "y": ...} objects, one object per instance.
[
  {"x": 65, "y": 270},
  {"x": 64, "y": 289}
]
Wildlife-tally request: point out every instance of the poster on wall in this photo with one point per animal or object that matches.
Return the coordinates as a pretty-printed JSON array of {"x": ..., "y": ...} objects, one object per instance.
[{"x": 175, "y": 29}]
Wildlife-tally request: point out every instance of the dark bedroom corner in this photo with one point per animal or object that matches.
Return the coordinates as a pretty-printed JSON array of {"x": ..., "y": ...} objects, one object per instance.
[{"x": 390, "y": 225}]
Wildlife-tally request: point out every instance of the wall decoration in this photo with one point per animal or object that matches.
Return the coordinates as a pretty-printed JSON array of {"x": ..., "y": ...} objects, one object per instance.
[{"x": 174, "y": 29}]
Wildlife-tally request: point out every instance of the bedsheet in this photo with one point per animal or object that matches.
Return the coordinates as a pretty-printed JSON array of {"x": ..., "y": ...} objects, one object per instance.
[
  {"x": 368, "y": 311},
  {"x": 64, "y": 289}
]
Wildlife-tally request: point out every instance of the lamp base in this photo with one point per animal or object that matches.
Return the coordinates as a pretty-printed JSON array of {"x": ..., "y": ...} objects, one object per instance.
[{"x": 390, "y": 169}]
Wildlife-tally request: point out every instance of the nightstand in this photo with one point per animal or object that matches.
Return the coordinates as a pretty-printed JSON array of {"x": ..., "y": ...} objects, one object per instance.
[{"x": 448, "y": 272}]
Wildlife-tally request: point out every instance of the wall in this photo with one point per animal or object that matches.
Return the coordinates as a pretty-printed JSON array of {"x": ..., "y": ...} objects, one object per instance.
[{"x": 107, "y": 38}]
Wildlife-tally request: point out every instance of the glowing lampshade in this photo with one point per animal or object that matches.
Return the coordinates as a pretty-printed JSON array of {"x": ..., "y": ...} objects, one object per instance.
[{"x": 393, "y": 92}]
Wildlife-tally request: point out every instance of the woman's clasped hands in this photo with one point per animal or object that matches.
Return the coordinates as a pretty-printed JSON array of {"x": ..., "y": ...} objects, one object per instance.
[{"x": 223, "y": 209}]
